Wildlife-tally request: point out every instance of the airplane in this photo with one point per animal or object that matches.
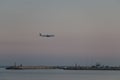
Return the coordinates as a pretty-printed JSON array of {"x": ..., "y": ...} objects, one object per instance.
[{"x": 43, "y": 35}]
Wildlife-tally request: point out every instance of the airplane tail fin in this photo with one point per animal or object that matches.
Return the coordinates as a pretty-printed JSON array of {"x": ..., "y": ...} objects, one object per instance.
[{"x": 40, "y": 34}]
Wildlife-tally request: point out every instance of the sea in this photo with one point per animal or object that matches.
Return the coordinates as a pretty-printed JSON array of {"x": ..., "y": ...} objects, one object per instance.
[{"x": 57, "y": 74}]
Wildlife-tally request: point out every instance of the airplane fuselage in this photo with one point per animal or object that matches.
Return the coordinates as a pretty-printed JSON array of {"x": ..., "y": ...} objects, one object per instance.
[{"x": 43, "y": 35}]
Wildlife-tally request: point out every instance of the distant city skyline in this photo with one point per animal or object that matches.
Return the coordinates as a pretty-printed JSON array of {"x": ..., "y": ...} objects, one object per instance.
[{"x": 86, "y": 32}]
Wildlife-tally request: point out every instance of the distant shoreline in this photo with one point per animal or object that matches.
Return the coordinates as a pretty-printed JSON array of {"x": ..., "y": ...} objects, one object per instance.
[{"x": 95, "y": 67}]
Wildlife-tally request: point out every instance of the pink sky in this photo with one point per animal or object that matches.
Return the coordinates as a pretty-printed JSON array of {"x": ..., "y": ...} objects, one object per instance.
[{"x": 85, "y": 32}]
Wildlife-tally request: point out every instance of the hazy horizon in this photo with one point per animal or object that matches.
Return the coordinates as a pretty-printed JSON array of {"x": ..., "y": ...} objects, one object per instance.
[{"x": 86, "y": 32}]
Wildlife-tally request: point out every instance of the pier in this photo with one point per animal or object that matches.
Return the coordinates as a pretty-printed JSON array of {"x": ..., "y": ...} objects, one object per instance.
[
  {"x": 93, "y": 67},
  {"x": 20, "y": 67}
]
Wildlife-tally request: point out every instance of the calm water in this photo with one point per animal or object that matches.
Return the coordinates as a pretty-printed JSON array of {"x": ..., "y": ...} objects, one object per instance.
[{"x": 58, "y": 75}]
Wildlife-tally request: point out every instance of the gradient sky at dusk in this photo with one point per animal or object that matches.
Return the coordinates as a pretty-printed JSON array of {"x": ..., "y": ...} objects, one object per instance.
[{"x": 86, "y": 32}]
